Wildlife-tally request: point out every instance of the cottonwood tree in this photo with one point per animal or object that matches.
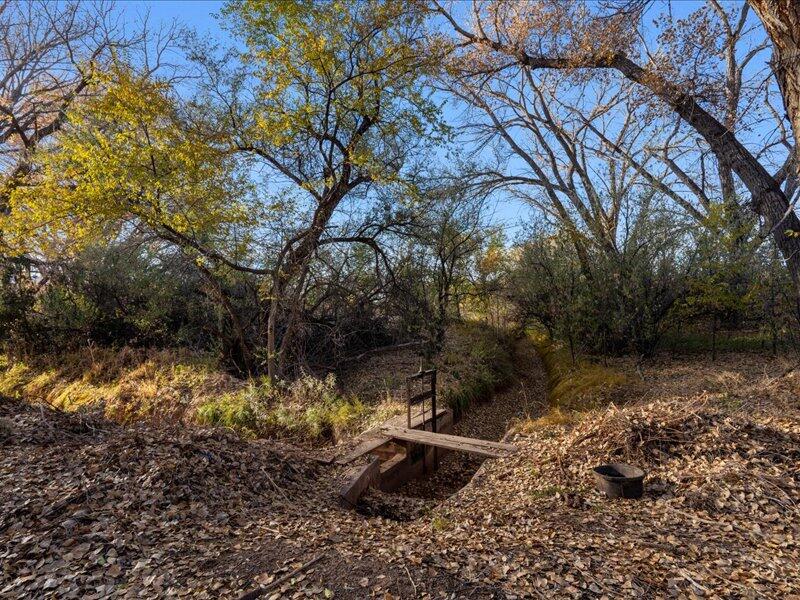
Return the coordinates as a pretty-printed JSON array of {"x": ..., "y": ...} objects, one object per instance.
[
  {"x": 781, "y": 19},
  {"x": 557, "y": 155},
  {"x": 329, "y": 100},
  {"x": 571, "y": 37},
  {"x": 48, "y": 55}
]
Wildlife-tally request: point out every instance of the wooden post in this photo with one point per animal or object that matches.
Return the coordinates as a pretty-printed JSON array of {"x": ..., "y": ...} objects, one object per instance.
[
  {"x": 434, "y": 418},
  {"x": 408, "y": 399},
  {"x": 357, "y": 481},
  {"x": 412, "y": 399}
]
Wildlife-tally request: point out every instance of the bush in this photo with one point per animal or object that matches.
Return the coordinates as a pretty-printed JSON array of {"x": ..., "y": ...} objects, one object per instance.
[
  {"x": 479, "y": 360},
  {"x": 611, "y": 300},
  {"x": 308, "y": 409}
]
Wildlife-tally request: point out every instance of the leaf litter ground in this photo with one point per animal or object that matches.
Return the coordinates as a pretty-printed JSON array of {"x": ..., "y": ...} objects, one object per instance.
[{"x": 93, "y": 510}]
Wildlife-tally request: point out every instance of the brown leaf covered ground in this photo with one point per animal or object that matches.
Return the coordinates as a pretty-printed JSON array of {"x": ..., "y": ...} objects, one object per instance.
[{"x": 90, "y": 509}]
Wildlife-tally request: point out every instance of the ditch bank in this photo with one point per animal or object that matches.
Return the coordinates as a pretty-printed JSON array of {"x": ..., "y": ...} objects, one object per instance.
[{"x": 489, "y": 419}]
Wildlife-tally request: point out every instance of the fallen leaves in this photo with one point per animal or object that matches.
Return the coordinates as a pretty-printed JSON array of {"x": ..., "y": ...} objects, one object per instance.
[{"x": 92, "y": 510}]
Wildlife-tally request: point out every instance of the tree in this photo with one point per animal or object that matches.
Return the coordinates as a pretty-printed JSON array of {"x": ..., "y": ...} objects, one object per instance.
[
  {"x": 575, "y": 162},
  {"x": 571, "y": 37},
  {"x": 48, "y": 56},
  {"x": 447, "y": 236},
  {"x": 320, "y": 105},
  {"x": 329, "y": 100},
  {"x": 781, "y": 19},
  {"x": 130, "y": 159}
]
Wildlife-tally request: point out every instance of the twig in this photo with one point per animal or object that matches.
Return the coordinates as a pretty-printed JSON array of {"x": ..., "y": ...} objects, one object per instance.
[
  {"x": 785, "y": 372},
  {"x": 583, "y": 438},
  {"x": 276, "y": 486},
  {"x": 261, "y": 590},
  {"x": 685, "y": 575},
  {"x": 414, "y": 585}
]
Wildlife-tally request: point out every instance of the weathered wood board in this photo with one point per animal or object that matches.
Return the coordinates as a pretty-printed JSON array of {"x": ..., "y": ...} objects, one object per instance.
[
  {"x": 365, "y": 447},
  {"x": 357, "y": 480},
  {"x": 450, "y": 442}
]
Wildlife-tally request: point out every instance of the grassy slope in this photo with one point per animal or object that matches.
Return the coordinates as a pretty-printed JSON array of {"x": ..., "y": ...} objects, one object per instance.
[
  {"x": 131, "y": 384},
  {"x": 172, "y": 386},
  {"x": 572, "y": 388}
]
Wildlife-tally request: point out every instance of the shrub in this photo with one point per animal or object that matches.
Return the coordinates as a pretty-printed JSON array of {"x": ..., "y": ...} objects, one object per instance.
[
  {"x": 609, "y": 300},
  {"x": 308, "y": 408}
]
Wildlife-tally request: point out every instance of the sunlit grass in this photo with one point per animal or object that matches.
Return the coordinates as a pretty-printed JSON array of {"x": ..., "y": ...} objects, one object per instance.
[
  {"x": 306, "y": 409},
  {"x": 127, "y": 384},
  {"x": 572, "y": 388}
]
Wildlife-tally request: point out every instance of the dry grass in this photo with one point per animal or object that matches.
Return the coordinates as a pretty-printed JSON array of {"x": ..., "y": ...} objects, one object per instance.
[
  {"x": 177, "y": 386},
  {"x": 130, "y": 384},
  {"x": 572, "y": 388},
  {"x": 306, "y": 410}
]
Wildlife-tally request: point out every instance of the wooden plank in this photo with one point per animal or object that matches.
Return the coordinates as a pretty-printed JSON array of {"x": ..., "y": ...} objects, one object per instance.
[
  {"x": 453, "y": 438},
  {"x": 363, "y": 448},
  {"x": 420, "y": 375},
  {"x": 450, "y": 442},
  {"x": 373, "y": 439},
  {"x": 358, "y": 480},
  {"x": 392, "y": 462}
]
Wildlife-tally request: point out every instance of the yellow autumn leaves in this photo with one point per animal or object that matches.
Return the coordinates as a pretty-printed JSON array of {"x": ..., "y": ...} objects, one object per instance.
[{"x": 127, "y": 157}]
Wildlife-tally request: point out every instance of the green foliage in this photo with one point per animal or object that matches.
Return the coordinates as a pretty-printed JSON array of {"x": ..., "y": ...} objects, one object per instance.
[
  {"x": 336, "y": 72},
  {"x": 17, "y": 302},
  {"x": 607, "y": 299},
  {"x": 306, "y": 409},
  {"x": 129, "y": 153},
  {"x": 485, "y": 364},
  {"x": 237, "y": 410},
  {"x": 736, "y": 282},
  {"x": 115, "y": 295},
  {"x": 440, "y": 524}
]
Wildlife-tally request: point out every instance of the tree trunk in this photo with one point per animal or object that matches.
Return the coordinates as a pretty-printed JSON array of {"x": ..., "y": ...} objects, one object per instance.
[
  {"x": 272, "y": 318},
  {"x": 216, "y": 290},
  {"x": 781, "y": 19},
  {"x": 293, "y": 260},
  {"x": 714, "y": 339}
]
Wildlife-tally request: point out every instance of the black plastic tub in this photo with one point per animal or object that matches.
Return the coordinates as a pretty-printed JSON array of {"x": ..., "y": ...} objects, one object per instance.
[{"x": 619, "y": 480}]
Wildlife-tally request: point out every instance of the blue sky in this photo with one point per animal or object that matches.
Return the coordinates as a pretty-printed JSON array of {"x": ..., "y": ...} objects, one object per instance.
[{"x": 197, "y": 14}]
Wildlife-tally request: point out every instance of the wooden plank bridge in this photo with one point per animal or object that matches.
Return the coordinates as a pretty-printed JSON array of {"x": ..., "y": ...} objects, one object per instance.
[
  {"x": 407, "y": 446},
  {"x": 450, "y": 442}
]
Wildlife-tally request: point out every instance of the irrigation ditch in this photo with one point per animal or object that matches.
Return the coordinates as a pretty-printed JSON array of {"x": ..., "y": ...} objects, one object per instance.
[{"x": 489, "y": 419}]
